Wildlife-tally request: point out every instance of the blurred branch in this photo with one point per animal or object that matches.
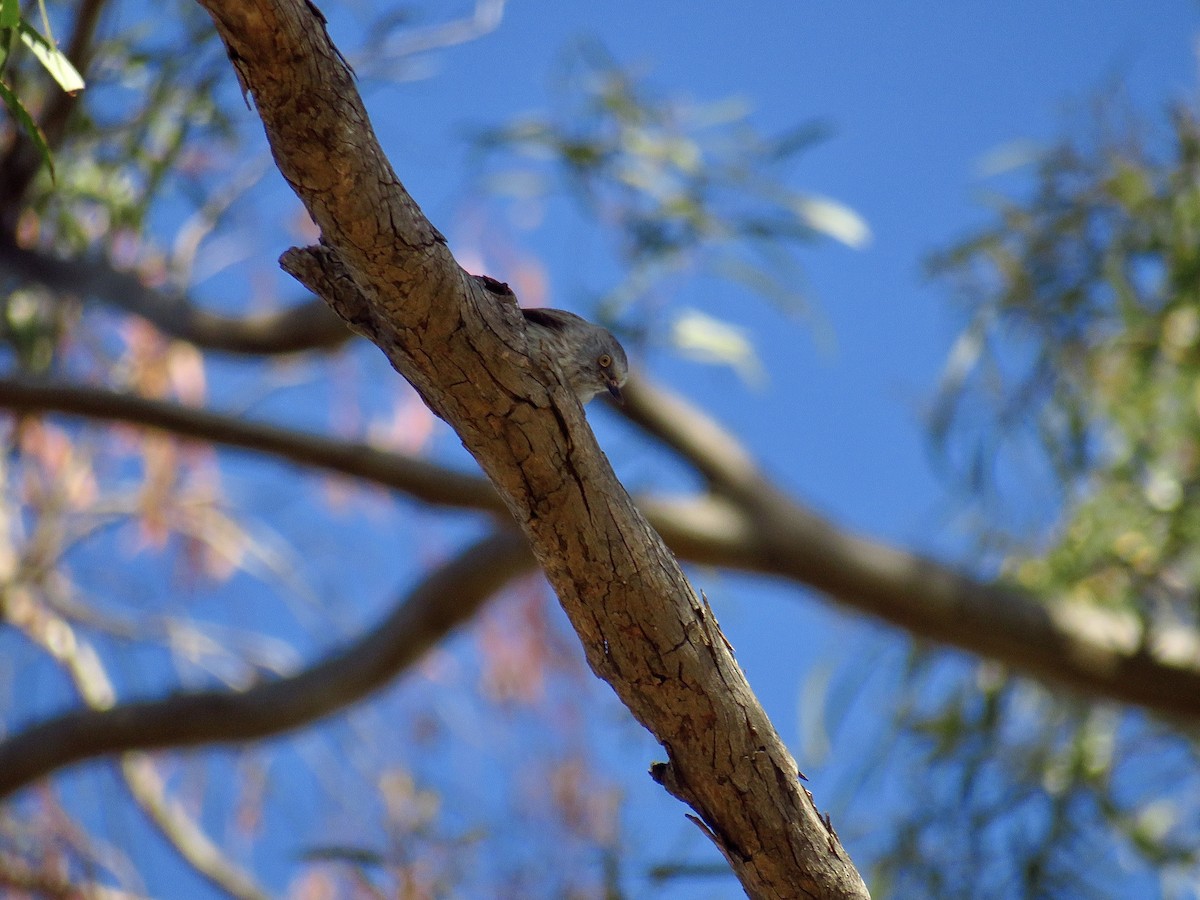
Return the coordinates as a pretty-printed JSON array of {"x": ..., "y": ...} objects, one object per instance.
[
  {"x": 1099, "y": 651},
  {"x": 308, "y": 325},
  {"x": 56, "y": 637},
  {"x": 693, "y": 434},
  {"x": 444, "y": 598},
  {"x": 421, "y": 480},
  {"x": 750, "y": 525},
  {"x": 17, "y": 875},
  {"x": 379, "y": 57},
  {"x": 182, "y": 832}
]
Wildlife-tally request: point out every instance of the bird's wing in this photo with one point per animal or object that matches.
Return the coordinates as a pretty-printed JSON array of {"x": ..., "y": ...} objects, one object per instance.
[{"x": 557, "y": 319}]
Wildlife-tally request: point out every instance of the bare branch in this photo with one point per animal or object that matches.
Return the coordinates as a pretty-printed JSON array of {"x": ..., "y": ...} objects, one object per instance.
[
  {"x": 182, "y": 832},
  {"x": 54, "y": 635},
  {"x": 308, "y": 325},
  {"x": 419, "y": 479},
  {"x": 750, "y": 525},
  {"x": 699, "y": 439},
  {"x": 1099, "y": 651},
  {"x": 382, "y": 56},
  {"x": 18, "y": 875},
  {"x": 445, "y": 598}
]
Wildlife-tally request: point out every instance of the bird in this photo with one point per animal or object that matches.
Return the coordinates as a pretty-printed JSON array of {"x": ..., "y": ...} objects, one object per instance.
[{"x": 591, "y": 359}]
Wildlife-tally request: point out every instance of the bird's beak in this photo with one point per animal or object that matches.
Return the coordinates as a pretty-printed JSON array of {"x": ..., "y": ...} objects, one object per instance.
[{"x": 615, "y": 390}]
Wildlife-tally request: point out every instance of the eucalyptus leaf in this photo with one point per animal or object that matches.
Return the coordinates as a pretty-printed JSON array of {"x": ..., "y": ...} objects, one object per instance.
[
  {"x": 10, "y": 13},
  {"x": 832, "y": 219},
  {"x": 28, "y": 125},
  {"x": 53, "y": 60},
  {"x": 706, "y": 339}
]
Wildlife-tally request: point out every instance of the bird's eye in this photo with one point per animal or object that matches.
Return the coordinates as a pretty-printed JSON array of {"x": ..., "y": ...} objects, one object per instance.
[{"x": 605, "y": 360}]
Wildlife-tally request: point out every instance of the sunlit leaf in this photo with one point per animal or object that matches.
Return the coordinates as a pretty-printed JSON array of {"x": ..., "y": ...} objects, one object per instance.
[
  {"x": 1009, "y": 157},
  {"x": 832, "y": 219},
  {"x": 53, "y": 60},
  {"x": 688, "y": 186},
  {"x": 703, "y": 338}
]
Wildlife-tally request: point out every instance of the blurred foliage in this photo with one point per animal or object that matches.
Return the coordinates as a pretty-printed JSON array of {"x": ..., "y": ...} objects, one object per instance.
[
  {"x": 16, "y": 29},
  {"x": 1029, "y": 792},
  {"x": 1082, "y": 342},
  {"x": 683, "y": 188},
  {"x": 154, "y": 132},
  {"x": 1085, "y": 336},
  {"x": 157, "y": 128}
]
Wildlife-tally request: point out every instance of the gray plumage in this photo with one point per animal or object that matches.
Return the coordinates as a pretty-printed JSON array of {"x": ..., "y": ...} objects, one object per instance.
[{"x": 591, "y": 359}]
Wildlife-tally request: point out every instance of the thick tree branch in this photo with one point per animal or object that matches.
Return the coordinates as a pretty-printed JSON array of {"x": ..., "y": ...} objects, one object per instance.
[
  {"x": 643, "y": 628},
  {"x": 308, "y": 325},
  {"x": 446, "y": 597}
]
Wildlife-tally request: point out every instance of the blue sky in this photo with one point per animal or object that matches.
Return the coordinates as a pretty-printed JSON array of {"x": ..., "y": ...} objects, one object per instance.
[{"x": 918, "y": 95}]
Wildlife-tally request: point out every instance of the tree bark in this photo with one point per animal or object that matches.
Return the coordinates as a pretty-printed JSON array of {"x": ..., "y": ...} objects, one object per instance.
[{"x": 643, "y": 628}]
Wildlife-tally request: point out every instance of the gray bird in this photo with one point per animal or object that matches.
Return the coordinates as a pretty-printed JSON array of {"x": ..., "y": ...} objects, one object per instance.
[{"x": 591, "y": 359}]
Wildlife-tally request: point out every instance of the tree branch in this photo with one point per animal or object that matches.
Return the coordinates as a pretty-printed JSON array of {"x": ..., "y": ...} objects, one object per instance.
[
  {"x": 421, "y": 480},
  {"x": 308, "y": 325},
  {"x": 643, "y": 628},
  {"x": 1098, "y": 651},
  {"x": 182, "y": 832},
  {"x": 56, "y": 637},
  {"x": 445, "y": 598},
  {"x": 19, "y": 876},
  {"x": 752, "y": 526}
]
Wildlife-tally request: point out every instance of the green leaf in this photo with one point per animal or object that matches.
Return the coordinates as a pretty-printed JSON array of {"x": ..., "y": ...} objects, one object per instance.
[
  {"x": 10, "y": 13},
  {"x": 7, "y": 36},
  {"x": 337, "y": 853},
  {"x": 25, "y": 120},
  {"x": 53, "y": 59},
  {"x": 46, "y": 23}
]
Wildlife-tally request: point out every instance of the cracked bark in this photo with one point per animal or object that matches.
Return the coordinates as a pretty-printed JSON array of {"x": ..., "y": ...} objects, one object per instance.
[{"x": 465, "y": 354}]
